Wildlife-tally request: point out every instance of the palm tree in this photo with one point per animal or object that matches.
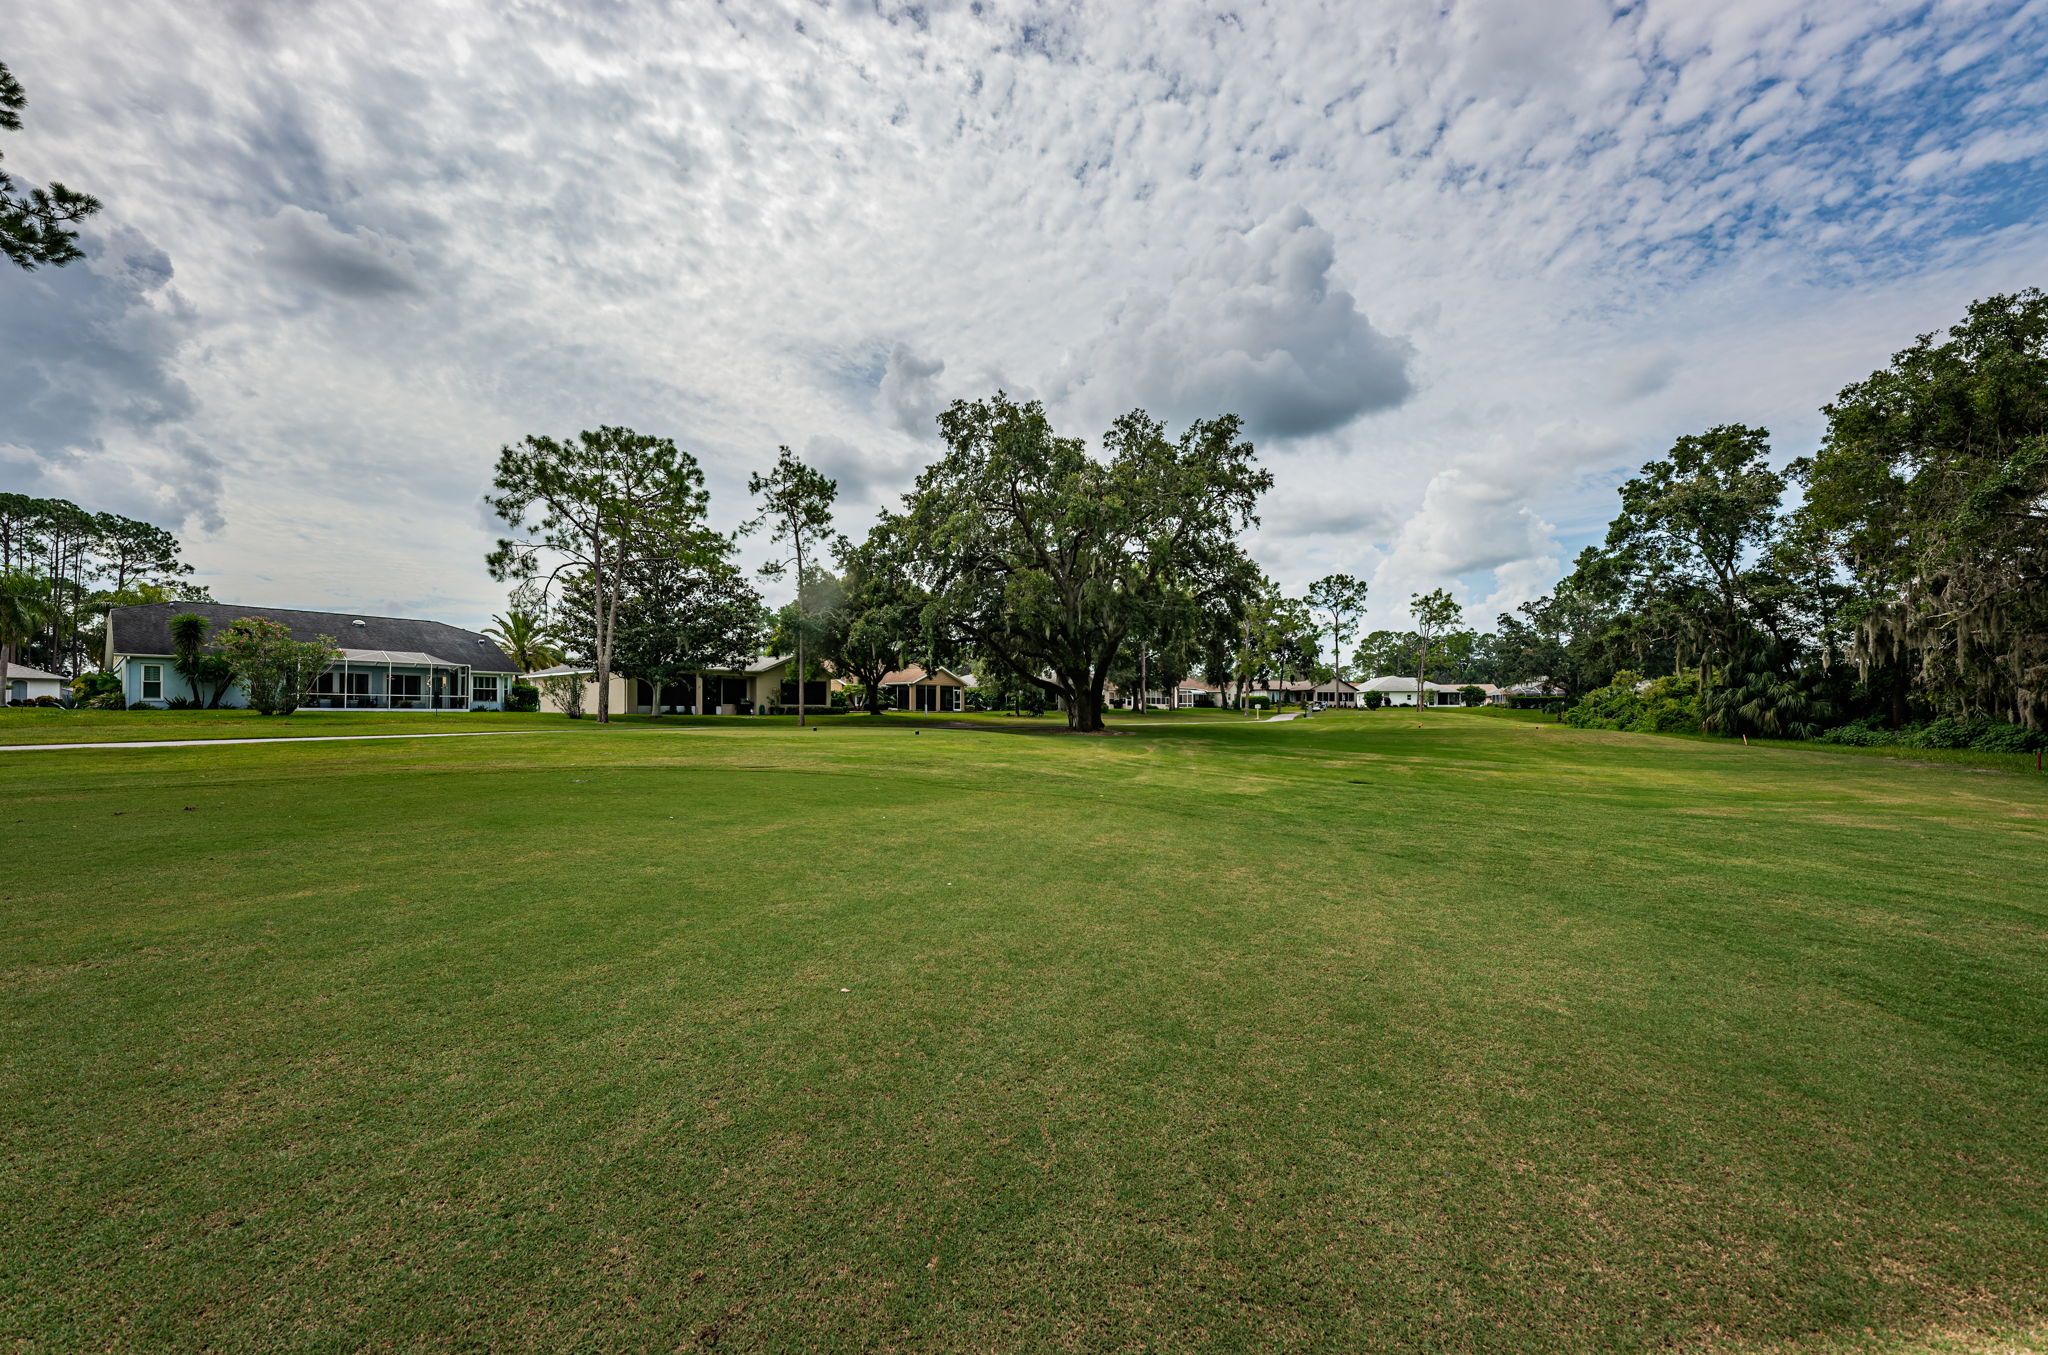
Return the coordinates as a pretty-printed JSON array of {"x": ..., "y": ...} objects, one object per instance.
[
  {"x": 527, "y": 637},
  {"x": 203, "y": 672},
  {"x": 24, "y": 611}
]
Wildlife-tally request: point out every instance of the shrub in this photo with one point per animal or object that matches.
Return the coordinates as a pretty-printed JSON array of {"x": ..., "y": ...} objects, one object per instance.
[
  {"x": 2008, "y": 738},
  {"x": 1374, "y": 700},
  {"x": 1471, "y": 696},
  {"x": 46, "y": 702},
  {"x": 1859, "y": 734},
  {"x": 522, "y": 696},
  {"x": 1945, "y": 733},
  {"x": 567, "y": 689},
  {"x": 99, "y": 691},
  {"x": 1615, "y": 706},
  {"x": 183, "y": 703}
]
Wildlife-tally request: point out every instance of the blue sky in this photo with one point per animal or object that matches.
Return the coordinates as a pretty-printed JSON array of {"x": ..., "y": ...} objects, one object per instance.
[{"x": 1463, "y": 266}]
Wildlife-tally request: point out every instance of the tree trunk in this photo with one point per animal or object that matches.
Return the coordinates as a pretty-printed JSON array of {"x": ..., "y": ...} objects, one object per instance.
[
  {"x": 1421, "y": 667},
  {"x": 1084, "y": 704},
  {"x": 800, "y": 662}
]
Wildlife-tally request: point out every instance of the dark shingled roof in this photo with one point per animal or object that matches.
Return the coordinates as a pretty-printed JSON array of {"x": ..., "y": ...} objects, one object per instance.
[{"x": 147, "y": 630}]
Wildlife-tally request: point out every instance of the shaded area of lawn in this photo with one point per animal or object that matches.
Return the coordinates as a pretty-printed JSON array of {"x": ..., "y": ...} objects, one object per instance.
[{"x": 1363, "y": 1032}]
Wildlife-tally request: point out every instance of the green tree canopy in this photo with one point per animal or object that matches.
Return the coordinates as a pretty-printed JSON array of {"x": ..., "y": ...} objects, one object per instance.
[
  {"x": 796, "y": 507},
  {"x": 35, "y": 223},
  {"x": 1932, "y": 484},
  {"x": 274, "y": 669},
  {"x": 1044, "y": 558},
  {"x": 1434, "y": 613},
  {"x": 1336, "y": 600},
  {"x": 596, "y": 508}
]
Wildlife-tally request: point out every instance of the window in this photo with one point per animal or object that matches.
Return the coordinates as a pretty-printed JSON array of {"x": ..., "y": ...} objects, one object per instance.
[
  {"x": 152, "y": 682},
  {"x": 483, "y": 687},
  {"x": 405, "y": 684},
  {"x": 350, "y": 684}
]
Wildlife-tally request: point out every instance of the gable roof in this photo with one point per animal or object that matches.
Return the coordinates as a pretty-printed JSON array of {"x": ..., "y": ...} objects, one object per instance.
[
  {"x": 147, "y": 630},
  {"x": 916, "y": 673},
  {"x": 16, "y": 672}
]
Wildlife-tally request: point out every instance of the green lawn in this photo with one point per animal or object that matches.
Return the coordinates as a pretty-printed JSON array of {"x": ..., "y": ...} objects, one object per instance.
[{"x": 1383, "y": 1032}]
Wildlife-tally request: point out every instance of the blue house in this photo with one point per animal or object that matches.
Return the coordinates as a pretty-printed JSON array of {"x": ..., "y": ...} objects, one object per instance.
[{"x": 387, "y": 662}]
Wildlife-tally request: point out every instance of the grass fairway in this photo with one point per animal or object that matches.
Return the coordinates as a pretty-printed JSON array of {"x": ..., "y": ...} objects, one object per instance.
[{"x": 1373, "y": 1032}]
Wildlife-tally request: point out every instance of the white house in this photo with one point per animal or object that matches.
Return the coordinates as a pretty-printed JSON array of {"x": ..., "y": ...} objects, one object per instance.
[
  {"x": 27, "y": 684},
  {"x": 386, "y": 663},
  {"x": 750, "y": 690},
  {"x": 1400, "y": 691}
]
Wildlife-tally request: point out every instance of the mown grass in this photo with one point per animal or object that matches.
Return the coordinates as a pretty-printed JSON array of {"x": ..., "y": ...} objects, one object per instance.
[{"x": 1390, "y": 1032}]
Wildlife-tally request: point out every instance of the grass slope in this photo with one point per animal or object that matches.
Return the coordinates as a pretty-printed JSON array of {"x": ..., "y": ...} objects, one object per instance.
[{"x": 1392, "y": 1032}]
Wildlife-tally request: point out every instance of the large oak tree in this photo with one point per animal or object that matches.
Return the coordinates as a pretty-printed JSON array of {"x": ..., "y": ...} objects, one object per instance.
[{"x": 1044, "y": 558}]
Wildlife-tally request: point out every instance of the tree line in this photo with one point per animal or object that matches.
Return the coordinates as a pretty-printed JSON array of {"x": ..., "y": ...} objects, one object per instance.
[
  {"x": 62, "y": 566},
  {"x": 1899, "y": 575}
]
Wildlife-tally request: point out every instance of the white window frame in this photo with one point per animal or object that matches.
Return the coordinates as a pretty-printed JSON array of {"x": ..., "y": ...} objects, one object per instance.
[
  {"x": 148, "y": 681},
  {"x": 477, "y": 680}
]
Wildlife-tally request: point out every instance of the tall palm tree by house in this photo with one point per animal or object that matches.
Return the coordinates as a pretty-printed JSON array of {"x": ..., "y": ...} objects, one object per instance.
[
  {"x": 24, "y": 611},
  {"x": 526, "y": 637}
]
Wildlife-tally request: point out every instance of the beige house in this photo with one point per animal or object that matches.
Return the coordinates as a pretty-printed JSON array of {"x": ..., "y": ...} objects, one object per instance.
[
  {"x": 915, "y": 689},
  {"x": 753, "y": 690}
]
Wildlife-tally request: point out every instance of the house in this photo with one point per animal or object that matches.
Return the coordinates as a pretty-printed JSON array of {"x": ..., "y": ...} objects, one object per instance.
[
  {"x": 917, "y": 689},
  {"x": 766, "y": 682},
  {"x": 1534, "y": 692},
  {"x": 1400, "y": 691},
  {"x": 1190, "y": 693},
  {"x": 29, "y": 684},
  {"x": 1336, "y": 692},
  {"x": 386, "y": 663}
]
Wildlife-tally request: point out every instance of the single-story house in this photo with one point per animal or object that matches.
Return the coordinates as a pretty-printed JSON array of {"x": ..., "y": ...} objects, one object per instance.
[
  {"x": 386, "y": 663},
  {"x": 1400, "y": 691},
  {"x": 768, "y": 681},
  {"x": 936, "y": 690},
  {"x": 1333, "y": 693},
  {"x": 1192, "y": 692},
  {"x": 26, "y": 684},
  {"x": 1534, "y": 692}
]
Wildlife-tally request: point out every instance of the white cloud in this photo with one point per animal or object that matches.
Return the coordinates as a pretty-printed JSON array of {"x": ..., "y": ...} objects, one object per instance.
[
  {"x": 397, "y": 247},
  {"x": 358, "y": 263},
  {"x": 1254, "y": 325},
  {"x": 909, "y": 391}
]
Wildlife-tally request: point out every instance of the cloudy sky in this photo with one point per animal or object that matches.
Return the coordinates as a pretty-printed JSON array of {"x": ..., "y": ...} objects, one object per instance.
[{"x": 1462, "y": 266}]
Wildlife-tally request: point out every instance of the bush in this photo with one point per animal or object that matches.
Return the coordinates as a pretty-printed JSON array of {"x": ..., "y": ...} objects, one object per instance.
[
  {"x": 1947, "y": 733},
  {"x": 99, "y": 691},
  {"x": 1977, "y": 733},
  {"x": 2001, "y": 737},
  {"x": 1471, "y": 696},
  {"x": 183, "y": 703},
  {"x": 1374, "y": 700},
  {"x": 522, "y": 696},
  {"x": 1859, "y": 734},
  {"x": 1665, "y": 705}
]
